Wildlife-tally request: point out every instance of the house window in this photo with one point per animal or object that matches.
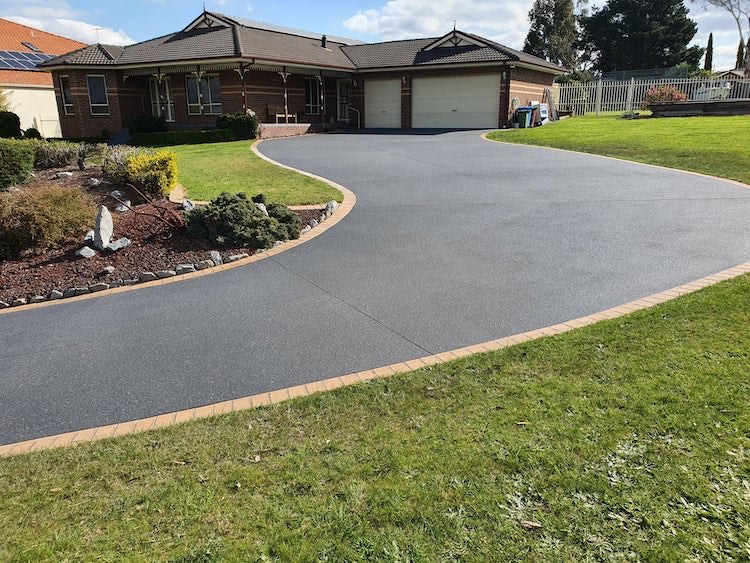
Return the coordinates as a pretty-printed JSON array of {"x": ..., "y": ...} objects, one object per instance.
[
  {"x": 203, "y": 95},
  {"x": 98, "y": 100},
  {"x": 67, "y": 95},
  {"x": 312, "y": 96}
]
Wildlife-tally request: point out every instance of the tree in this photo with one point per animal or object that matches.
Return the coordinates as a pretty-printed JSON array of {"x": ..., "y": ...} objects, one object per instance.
[
  {"x": 740, "y": 11},
  {"x": 741, "y": 55},
  {"x": 553, "y": 32},
  {"x": 4, "y": 101},
  {"x": 708, "y": 63},
  {"x": 636, "y": 34}
]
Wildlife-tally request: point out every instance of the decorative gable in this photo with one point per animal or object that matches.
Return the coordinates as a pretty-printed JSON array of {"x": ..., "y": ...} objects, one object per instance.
[
  {"x": 455, "y": 39},
  {"x": 207, "y": 20}
]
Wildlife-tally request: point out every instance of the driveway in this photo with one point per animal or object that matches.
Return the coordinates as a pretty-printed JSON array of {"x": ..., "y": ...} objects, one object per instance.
[{"x": 454, "y": 241}]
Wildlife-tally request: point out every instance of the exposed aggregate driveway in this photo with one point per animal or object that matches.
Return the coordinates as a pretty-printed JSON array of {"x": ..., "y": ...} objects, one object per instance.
[{"x": 454, "y": 241}]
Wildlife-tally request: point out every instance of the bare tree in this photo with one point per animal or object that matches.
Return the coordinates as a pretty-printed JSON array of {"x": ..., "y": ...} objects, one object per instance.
[{"x": 740, "y": 11}]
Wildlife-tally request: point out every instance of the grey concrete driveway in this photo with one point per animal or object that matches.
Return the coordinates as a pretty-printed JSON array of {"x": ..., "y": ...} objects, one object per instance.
[{"x": 454, "y": 241}]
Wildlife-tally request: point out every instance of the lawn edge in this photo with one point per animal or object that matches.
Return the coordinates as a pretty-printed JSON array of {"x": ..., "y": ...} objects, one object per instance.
[
  {"x": 350, "y": 200},
  {"x": 289, "y": 393}
]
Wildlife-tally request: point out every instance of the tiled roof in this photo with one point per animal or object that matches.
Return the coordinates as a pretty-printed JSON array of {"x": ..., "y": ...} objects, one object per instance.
[
  {"x": 12, "y": 36},
  {"x": 275, "y": 46},
  {"x": 25, "y": 78}
]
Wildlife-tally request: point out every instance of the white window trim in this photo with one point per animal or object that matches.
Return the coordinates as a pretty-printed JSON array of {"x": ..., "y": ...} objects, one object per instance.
[
  {"x": 201, "y": 105},
  {"x": 318, "y": 107},
  {"x": 106, "y": 95},
  {"x": 65, "y": 105}
]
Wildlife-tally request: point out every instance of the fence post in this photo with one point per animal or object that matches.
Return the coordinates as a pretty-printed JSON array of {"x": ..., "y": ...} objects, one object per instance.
[
  {"x": 631, "y": 92},
  {"x": 598, "y": 97}
]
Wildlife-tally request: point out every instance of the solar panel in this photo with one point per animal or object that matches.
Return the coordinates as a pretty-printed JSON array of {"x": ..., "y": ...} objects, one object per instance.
[{"x": 22, "y": 61}]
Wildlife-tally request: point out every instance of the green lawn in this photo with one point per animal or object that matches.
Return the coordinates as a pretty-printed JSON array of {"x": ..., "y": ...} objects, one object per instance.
[
  {"x": 209, "y": 169},
  {"x": 625, "y": 440},
  {"x": 711, "y": 145}
]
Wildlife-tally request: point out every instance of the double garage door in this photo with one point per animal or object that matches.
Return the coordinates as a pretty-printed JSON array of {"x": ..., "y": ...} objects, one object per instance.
[{"x": 460, "y": 102}]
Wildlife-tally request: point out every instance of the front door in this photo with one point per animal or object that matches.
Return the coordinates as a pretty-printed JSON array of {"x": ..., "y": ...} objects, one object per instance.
[
  {"x": 343, "y": 100},
  {"x": 161, "y": 99}
]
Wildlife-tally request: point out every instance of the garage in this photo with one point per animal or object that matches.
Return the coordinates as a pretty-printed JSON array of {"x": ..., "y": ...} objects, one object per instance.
[
  {"x": 383, "y": 103},
  {"x": 456, "y": 102}
]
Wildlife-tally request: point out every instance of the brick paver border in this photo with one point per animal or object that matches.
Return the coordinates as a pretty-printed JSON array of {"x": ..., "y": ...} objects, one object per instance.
[{"x": 281, "y": 395}]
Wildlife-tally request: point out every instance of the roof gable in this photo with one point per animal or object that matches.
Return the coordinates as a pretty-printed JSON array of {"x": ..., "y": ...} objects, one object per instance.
[{"x": 455, "y": 39}]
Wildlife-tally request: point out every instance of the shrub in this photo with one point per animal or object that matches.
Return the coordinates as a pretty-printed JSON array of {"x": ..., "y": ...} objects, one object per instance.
[
  {"x": 234, "y": 220},
  {"x": 663, "y": 94},
  {"x": 168, "y": 138},
  {"x": 42, "y": 218},
  {"x": 32, "y": 133},
  {"x": 114, "y": 160},
  {"x": 244, "y": 125},
  {"x": 289, "y": 221},
  {"x": 53, "y": 154},
  {"x": 10, "y": 125},
  {"x": 16, "y": 162},
  {"x": 147, "y": 125},
  {"x": 154, "y": 173}
]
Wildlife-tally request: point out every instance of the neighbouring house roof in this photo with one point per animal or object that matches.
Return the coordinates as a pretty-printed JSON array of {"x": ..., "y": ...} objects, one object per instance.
[
  {"x": 732, "y": 73},
  {"x": 18, "y": 38},
  {"x": 213, "y": 36}
]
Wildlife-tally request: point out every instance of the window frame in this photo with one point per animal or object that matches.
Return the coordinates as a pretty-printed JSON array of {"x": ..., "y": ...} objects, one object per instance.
[
  {"x": 106, "y": 96},
  {"x": 201, "y": 105},
  {"x": 68, "y": 105},
  {"x": 316, "y": 107}
]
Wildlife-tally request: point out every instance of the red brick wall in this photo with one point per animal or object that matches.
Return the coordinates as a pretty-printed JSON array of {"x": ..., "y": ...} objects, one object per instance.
[{"x": 528, "y": 85}]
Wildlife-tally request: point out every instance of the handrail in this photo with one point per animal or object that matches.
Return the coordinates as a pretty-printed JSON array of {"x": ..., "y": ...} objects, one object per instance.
[{"x": 355, "y": 110}]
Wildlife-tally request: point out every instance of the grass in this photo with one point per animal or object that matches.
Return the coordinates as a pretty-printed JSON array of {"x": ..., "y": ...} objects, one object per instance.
[
  {"x": 710, "y": 145},
  {"x": 209, "y": 169},
  {"x": 625, "y": 440}
]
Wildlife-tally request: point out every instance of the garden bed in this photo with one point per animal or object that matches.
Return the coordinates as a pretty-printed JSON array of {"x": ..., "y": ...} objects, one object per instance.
[{"x": 37, "y": 274}]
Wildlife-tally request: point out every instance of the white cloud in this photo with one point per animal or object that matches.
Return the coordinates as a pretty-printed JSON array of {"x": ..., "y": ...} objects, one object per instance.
[
  {"x": 506, "y": 22},
  {"x": 57, "y": 16}
]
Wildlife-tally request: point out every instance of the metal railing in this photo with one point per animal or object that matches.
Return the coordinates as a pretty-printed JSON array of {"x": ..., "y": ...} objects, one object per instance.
[
  {"x": 622, "y": 96},
  {"x": 359, "y": 120}
]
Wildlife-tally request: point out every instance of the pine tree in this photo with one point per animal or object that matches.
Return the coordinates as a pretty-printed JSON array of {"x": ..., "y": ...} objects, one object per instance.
[
  {"x": 740, "y": 55},
  {"x": 709, "y": 62},
  {"x": 552, "y": 34}
]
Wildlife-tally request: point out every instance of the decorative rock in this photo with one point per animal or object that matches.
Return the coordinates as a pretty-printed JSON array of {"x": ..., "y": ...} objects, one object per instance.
[
  {"x": 123, "y": 207},
  {"x": 204, "y": 265},
  {"x": 118, "y": 194},
  {"x": 216, "y": 257},
  {"x": 322, "y": 217},
  {"x": 82, "y": 290},
  {"x": 93, "y": 182},
  {"x": 89, "y": 239},
  {"x": 306, "y": 229},
  {"x": 38, "y": 299},
  {"x": 129, "y": 282},
  {"x": 236, "y": 257},
  {"x": 4, "y": 305},
  {"x": 119, "y": 244},
  {"x": 331, "y": 206},
  {"x": 147, "y": 276},
  {"x": 98, "y": 287},
  {"x": 162, "y": 274},
  {"x": 70, "y": 293},
  {"x": 19, "y": 301},
  {"x": 104, "y": 228},
  {"x": 278, "y": 243},
  {"x": 115, "y": 284},
  {"x": 314, "y": 223},
  {"x": 107, "y": 271},
  {"x": 55, "y": 295},
  {"x": 61, "y": 175},
  {"x": 184, "y": 269},
  {"x": 262, "y": 207},
  {"x": 188, "y": 205},
  {"x": 86, "y": 252}
]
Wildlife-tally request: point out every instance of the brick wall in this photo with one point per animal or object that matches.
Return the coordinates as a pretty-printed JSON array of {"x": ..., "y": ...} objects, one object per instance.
[{"x": 528, "y": 85}]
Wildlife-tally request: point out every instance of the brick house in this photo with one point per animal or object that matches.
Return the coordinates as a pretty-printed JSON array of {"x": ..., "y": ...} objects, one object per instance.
[
  {"x": 30, "y": 90},
  {"x": 293, "y": 80}
]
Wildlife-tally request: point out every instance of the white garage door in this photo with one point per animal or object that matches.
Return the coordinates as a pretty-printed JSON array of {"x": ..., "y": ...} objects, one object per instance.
[
  {"x": 470, "y": 102},
  {"x": 383, "y": 103}
]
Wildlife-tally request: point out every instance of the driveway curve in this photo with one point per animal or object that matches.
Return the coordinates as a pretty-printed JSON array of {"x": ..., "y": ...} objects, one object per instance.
[{"x": 454, "y": 241}]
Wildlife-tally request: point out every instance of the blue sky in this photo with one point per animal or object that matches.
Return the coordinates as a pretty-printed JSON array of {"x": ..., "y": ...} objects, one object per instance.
[{"x": 126, "y": 21}]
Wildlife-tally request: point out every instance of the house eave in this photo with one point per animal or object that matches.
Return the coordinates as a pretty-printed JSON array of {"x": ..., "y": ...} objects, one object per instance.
[{"x": 488, "y": 64}]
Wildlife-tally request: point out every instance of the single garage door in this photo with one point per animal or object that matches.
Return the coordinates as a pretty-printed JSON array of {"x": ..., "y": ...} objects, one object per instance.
[
  {"x": 463, "y": 102},
  {"x": 383, "y": 103}
]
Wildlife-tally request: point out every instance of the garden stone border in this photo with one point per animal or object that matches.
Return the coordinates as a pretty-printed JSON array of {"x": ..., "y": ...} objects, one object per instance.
[{"x": 327, "y": 220}]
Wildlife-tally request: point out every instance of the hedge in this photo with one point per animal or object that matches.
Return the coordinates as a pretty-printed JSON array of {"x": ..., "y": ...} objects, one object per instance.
[
  {"x": 167, "y": 138},
  {"x": 16, "y": 162}
]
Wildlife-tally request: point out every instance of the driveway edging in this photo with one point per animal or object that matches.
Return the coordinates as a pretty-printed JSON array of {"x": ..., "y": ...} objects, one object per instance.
[
  {"x": 350, "y": 200},
  {"x": 281, "y": 395}
]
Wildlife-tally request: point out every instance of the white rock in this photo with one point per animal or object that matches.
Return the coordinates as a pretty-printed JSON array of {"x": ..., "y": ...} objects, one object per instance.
[
  {"x": 86, "y": 252},
  {"x": 93, "y": 182},
  {"x": 306, "y": 229},
  {"x": 184, "y": 269},
  {"x": 89, "y": 238},
  {"x": 204, "y": 265},
  {"x": 118, "y": 194},
  {"x": 236, "y": 257},
  {"x": 104, "y": 228},
  {"x": 123, "y": 208},
  {"x": 331, "y": 206},
  {"x": 19, "y": 301},
  {"x": 188, "y": 205},
  {"x": 4, "y": 305},
  {"x": 61, "y": 175},
  {"x": 162, "y": 274},
  {"x": 38, "y": 299},
  {"x": 278, "y": 243},
  {"x": 119, "y": 244},
  {"x": 263, "y": 208},
  {"x": 98, "y": 287},
  {"x": 54, "y": 295},
  {"x": 107, "y": 271},
  {"x": 147, "y": 276},
  {"x": 314, "y": 223},
  {"x": 216, "y": 257}
]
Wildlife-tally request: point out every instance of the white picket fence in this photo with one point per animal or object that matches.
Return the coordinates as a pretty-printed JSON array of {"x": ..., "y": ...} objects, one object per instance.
[{"x": 604, "y": 96}]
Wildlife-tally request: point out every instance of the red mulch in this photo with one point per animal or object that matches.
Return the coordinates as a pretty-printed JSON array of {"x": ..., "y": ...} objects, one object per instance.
[{"x": 61, "y": 269}]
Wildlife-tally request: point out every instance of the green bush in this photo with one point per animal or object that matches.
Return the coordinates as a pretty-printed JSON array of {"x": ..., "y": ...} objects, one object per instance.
[
  {"x": 53, "y": 154},
  {"x": 168, "y": 138},
  {"x": 16, "y": 162},
  {"x": 42, "y": 218},
  {"x": 152, "y": 172},
  {"x": 244, "y": 125},
  {"x": 10, "y": 125},
  {"x": 289, "y": 222},
  {"x": 234, "y": 220},
  {"x": 139, "y": 125},
  {"x": 32, "y": 133}
]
